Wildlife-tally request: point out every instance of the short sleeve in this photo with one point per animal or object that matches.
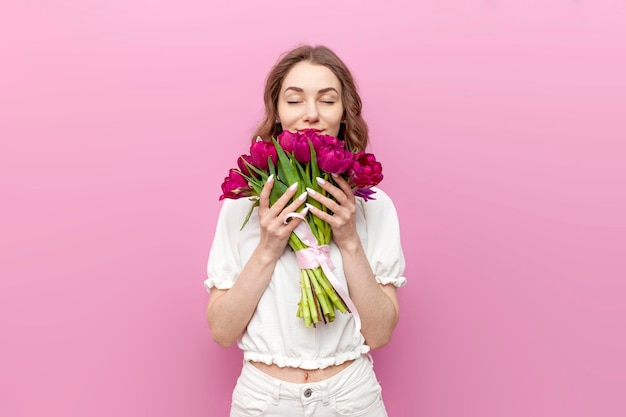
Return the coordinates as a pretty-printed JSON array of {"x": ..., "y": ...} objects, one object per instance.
[
  {"x": 224, "y": 263},
  {"x": 384, "y": 248}
]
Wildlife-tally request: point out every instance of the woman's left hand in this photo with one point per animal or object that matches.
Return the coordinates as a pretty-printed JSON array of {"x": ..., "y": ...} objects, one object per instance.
[{"x": 343, "y": 219}]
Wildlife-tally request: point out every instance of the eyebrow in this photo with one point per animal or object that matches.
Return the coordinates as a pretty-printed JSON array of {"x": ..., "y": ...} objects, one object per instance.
[{"x": 322, "y": 91}]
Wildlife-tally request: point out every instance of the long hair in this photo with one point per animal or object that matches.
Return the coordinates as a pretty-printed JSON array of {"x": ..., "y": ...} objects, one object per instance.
[{"x": 353, "y": 131}]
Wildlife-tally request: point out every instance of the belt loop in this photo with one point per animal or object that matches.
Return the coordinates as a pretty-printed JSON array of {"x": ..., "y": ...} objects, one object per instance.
[
  {"x": 324, "y": 392},
  {"x": 276, "y": 392}
]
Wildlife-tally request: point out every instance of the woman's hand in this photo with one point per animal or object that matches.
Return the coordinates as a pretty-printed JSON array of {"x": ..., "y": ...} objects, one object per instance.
[
  {"x": 343, "y": 219},
  {"x": 229, "y": 311},
  {"x": 275, "y": 230},
  {"x": 377, "y": 304}
]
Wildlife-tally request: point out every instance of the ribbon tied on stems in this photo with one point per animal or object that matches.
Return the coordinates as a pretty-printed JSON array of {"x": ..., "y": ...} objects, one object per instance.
[{"x": 315, "y": 255}]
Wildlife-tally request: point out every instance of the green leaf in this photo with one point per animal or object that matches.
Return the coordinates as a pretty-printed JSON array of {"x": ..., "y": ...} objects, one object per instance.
[
  {"x": 256, "y": 204},
  {"x": 289, "y": 173},
  {"x": 277, "y": 190},
  {"x": 315, "y": 169},
  {"x": 261, "y": 173},
  {"x": 303, "y": 174},
  {"x": 272, "y": 169}
]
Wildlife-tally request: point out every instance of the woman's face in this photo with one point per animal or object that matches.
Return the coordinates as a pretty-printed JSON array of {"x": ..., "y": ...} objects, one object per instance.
[{"x": 310, "y": 98}]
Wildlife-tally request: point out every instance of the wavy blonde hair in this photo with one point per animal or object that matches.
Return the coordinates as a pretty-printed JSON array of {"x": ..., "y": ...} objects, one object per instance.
[{"x": 353, "y": 129}]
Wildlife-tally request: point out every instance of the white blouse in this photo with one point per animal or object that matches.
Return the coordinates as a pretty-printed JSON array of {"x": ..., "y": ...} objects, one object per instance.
[{"x": 275, "y": 335}]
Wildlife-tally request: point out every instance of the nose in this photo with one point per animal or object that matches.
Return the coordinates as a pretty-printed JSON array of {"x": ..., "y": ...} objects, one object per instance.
[{"x": 311, "y": 114}]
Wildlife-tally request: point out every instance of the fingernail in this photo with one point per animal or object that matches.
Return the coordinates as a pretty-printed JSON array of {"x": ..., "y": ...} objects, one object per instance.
[
  {"x": 302, "y": 196},
  {"x": 270, "y": 178},
  {"x": 311, "y": 191},
  {"x": 335, "y": 175},
  {"x": 293, "y": 187},
  {"x": 320, "y": 181},
  {"x": 309, "y": 206},
  {"x": 304, "y": 211}
]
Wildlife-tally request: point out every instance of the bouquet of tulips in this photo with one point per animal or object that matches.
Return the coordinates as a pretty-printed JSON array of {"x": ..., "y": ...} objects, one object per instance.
[{"x": 301, "y": 157}]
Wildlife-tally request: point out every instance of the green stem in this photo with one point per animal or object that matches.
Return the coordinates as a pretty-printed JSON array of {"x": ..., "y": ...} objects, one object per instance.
[
  {"x": 310, "y": 301},
  {"x": 306, "y": 314},
  {"x": 327, "y": 286},
  {"x": 327, "y": 309}
]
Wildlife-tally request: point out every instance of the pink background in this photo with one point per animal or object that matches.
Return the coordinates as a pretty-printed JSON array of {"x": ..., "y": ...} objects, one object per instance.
[{"x": 501, "y": 127}]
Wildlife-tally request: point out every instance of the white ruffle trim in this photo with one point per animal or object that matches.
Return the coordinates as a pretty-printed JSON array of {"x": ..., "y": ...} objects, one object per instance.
[
  {"x": 396, "y": 281},
  {"x": 306, "y": 363},
  {"x": 220, "y": 285}
]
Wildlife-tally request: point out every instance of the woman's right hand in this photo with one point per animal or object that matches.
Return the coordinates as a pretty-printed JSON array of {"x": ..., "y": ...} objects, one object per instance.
[
  {"x": 274, "y": 230},
  {"x": 229, "y": 310}
]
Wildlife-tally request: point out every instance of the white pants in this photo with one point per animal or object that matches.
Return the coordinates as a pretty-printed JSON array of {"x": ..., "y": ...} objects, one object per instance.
[{"x": 352, "y": 392}]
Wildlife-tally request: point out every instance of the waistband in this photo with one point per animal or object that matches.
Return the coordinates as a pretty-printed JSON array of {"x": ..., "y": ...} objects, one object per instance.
[{"x": 253, "y": 378}]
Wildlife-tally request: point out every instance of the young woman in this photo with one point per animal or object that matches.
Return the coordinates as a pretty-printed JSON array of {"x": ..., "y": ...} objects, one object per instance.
[{"x": 253, "y": 277}]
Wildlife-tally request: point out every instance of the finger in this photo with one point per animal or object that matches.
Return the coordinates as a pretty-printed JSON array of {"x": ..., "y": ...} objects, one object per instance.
[
  {"x": 301, "y": 215},
  {"x": 295, "y": 204},
  {"x": 321, "y": 214},
  {"x": 340, "y": 195},
  {"x": 284, "y": 199},
  {"x": 325, "y": 201},
  {"x": 296, "y": 219},
  {"x": 345, "y": 187}
]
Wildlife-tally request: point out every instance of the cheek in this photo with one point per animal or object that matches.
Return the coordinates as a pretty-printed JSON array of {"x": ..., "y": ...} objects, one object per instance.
[
  {"x": 334, "y": 120},
  {"x": 286, "y": 115},
  {"x": 333, "y": 130}
]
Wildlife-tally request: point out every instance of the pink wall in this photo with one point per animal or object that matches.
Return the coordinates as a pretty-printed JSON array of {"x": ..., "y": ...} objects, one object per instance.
[{"x": 501, "y": 126}]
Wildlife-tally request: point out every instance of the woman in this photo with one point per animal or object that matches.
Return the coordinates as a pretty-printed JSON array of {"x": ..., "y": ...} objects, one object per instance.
[{"x": 289, "y": 369}]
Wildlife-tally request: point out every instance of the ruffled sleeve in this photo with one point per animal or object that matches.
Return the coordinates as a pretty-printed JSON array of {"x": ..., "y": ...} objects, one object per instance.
[
  {"x": 225, "y": 262},
  {"x": 384, "y": 248}
]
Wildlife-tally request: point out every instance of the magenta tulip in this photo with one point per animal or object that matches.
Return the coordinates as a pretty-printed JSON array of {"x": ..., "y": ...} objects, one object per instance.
[
  {"x": 235, "y": 186},
  {"x": 331, "y": 141},
  {"x": 333, "y": 160},
  {"x": 319, "y": 141},
  {"x": 302, "y": 149},
  {"x": 286, "y": 140},
  {"x": 365, "y": 171},
  {"x": 243, "y": 167},
  {"x": 260, "y": 151}
]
